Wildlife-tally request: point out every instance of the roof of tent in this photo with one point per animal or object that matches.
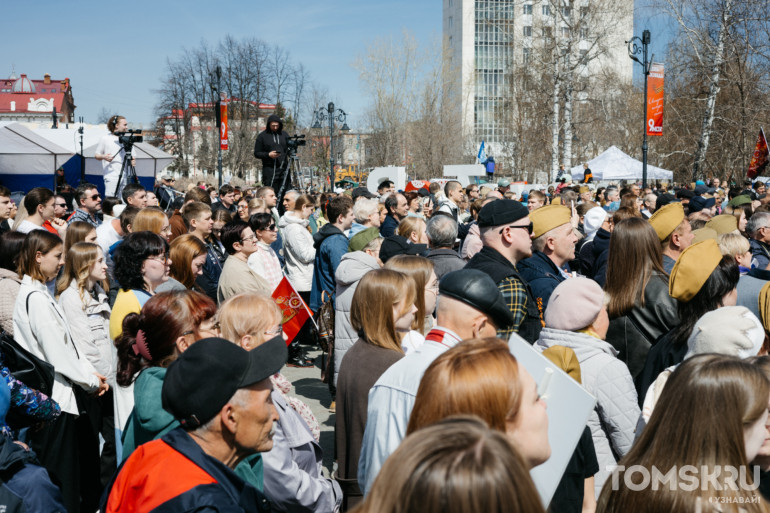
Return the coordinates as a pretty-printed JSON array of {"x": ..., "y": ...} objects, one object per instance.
[{"x": 613, "y": 164}]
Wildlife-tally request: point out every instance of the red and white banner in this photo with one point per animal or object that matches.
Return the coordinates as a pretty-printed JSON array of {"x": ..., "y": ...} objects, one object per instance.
[
  {"x": 760, "y": 158},
  {"x": 223, "y": 127},
  {"x": 655, "y": 100},
  {"x": 295, "y": 311}
]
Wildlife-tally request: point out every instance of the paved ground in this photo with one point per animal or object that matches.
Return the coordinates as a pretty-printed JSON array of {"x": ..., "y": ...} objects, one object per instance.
[{"x": 308, "y": 388}]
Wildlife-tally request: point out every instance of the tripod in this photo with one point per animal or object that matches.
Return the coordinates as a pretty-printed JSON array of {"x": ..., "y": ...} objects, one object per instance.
[{"x": 127, "y": 168}]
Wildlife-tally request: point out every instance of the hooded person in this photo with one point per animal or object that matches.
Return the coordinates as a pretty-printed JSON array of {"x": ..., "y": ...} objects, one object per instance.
[{"x": 271, "y": 148}]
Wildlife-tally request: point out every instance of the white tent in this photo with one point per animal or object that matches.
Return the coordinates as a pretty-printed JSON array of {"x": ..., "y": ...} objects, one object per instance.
[
  {"x": 28, "y": 160},
  {"x": 613, "y": 164},
  {"x": 149, "y": 160}
]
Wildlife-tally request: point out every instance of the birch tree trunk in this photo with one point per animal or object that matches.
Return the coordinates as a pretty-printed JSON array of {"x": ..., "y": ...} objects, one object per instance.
[
  {"x": 568, "y": 89},
  {"x": 708, "y": 114},
  {"x": 555, "y": 121}
]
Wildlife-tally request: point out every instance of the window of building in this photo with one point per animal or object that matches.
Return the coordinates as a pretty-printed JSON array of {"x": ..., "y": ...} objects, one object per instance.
[
  {"x": 546, "y": 10},
  {"x": 584, "y": 33},
  {"x": 583, "y": 54},
  {"x": 583, "y": 12},
  {"x": 566, "y": 12},
  {"x": 451, "y": 3},
  {"x": 565, "y": 31},
  {"x": 450, "y": 22},
  {"x": 525, "y": 53},
  {"x": 527, "y": 8},
  {"x": 527, "y": 30}
]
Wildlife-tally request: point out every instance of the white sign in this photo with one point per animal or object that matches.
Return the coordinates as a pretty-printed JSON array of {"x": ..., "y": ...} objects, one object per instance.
[
  {"x": 568, "y": 407},
  {"x": 379, "y": 174},
  {"x": 463, "y": 173}
]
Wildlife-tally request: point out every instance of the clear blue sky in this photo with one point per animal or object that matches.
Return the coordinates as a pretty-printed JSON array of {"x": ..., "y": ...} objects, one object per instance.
[{"x": 115, "y": 52}]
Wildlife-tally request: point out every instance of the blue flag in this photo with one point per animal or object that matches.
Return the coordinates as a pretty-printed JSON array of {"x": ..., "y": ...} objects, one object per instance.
[{"x": 482, "y": 156}]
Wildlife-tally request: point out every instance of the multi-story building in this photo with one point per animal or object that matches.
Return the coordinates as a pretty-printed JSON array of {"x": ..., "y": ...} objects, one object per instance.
[
  {"x": 28, "y": 100},
  {"x": 488, "y": 40}
]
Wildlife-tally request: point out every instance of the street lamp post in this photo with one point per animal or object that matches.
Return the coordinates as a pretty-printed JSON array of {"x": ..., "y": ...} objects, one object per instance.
[
  {"x": 640, "y": 46},
  {"x": 331, "y": 114}
]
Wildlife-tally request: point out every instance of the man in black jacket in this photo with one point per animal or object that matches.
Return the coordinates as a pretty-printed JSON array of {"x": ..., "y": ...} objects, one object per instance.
[{"x": 271, "y": 148}]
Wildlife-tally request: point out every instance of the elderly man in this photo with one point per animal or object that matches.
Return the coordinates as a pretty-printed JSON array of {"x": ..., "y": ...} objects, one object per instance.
[
  {"x": 469, "y": 306},
  {"x": 289, "y": 199},
  {"x": 366, "y": 214},
  {"x": 553, "y": 246},
  {"x": 505, "y": 233},
  {"x": 442, "y": 233},
  {"x": 89, "y": 204},
  {"x": 674, "y": 232},
  {"x": 648, "y": 205},
  {"x": 220, "y": 394},
  {"x": 758, "y": 229}
]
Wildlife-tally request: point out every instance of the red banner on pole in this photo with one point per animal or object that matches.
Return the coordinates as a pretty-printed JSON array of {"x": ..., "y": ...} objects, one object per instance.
[
  {"x": 760, "y": 158},
  {"x": 295, "y": 311},
  {"x": 223, "y": 126},
  {"x": 655, "y": 100}
]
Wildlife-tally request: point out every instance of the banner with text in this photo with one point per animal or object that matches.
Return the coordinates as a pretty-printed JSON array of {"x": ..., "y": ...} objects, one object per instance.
[
  {"x": 760, "y": 158},
  {"x": 655, "y": 99},
  {"x": 223, "y": 127}
]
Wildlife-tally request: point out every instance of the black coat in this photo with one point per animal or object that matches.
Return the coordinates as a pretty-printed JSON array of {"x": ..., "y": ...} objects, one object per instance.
[{"x": 634, "y": 333}]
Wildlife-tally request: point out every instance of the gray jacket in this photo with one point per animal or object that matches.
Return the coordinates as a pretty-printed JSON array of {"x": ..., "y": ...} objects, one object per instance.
[
  {"x": 352, "y": 268},
  {"x": 445, "y": 261},
  {"x": 292, "y": 468},
  {"x": 613, "y": 420}
]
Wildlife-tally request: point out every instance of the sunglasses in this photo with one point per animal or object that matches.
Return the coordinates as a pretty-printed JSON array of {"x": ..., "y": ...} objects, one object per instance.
[
  {"x": 93, "y": 198},
  {"x": 61, "y": 205},
  {"x": 529, "y": 227}
]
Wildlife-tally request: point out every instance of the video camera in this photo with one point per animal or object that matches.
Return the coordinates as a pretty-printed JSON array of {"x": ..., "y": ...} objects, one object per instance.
[
  {"x": 295, "y": 141},
  {"x": 129, "y": 138}
]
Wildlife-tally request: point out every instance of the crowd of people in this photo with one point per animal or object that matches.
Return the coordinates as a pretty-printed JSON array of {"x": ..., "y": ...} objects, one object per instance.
[{"x": 154, "y": 313}]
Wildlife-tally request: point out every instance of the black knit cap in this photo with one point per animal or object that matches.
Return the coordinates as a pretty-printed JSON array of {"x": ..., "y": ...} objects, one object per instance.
[
  {"x": 201, "y": 381},
  {"x": 500, "y": 212},
  {"x": 476, "y": 289}
]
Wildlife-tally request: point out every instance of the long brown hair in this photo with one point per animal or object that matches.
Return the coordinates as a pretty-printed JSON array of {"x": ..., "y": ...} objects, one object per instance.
[
  {"x": 419, "y": 269},
  {"x": 77, "y": 231},
  {"x": 699, "y": 420},
  {"x": 476, "y": 377},
  {"x": 371, "y": 313},
  {"x": 457, "y": 465},
  {"x": 183, "y": 250},
  {"x": 79, "y": 260},
  {"x": 634, "y": 255}
]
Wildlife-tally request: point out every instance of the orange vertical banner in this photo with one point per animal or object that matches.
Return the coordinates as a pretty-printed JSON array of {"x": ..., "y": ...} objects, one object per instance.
[
  {"x": 655, "y": 100},
  {"x": 223, "y": 127},
  {"x": 760, "y": 158}
]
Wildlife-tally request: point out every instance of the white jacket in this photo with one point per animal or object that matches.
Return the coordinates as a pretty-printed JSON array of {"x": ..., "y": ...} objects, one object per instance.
[
  {"x": 298, "y": 251},
  {"x": 90, "y": 328},
  {"x": 44, "y": 332}
]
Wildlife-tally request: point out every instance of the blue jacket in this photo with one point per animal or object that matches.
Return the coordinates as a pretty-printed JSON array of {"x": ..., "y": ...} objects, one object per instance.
[
  {"x": 601, "y": 251},
  {"x": 760, "y": 254},
  {"x": 542, "y": 275},
  {"x": 177, "y": 475},
  {"x": 389, "y": 226},
  {"x": 330, "y": 245},
  {"x": 24, "y": 484}
]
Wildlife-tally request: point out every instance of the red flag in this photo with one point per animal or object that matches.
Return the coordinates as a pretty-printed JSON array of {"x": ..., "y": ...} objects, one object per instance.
[
  {"x": 760, "y": 158},
  {"x": 655, "y": 100},
  {"x": 295, "y": 311}
]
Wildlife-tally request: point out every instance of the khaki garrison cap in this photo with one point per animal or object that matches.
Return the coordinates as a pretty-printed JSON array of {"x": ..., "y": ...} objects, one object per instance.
[
  {"x": 724, "y": 223},
  {"x": 695, "y": 265},
  {"x": 547, "y": 218},
  {"x": 666, "y": 219}
]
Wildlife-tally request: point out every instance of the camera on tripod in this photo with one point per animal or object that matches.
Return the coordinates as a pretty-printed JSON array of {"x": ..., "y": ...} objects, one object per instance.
[
  {"x": 295, "y": 141},
  {"x": 129, "y": 138}
]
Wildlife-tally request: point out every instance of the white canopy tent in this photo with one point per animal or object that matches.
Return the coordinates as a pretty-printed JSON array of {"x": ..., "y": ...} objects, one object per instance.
[
  {"x": 613, "y": 164},
  {"x": 27, "y": 159}
]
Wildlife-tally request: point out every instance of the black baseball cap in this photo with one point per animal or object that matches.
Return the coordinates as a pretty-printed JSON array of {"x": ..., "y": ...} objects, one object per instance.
[
  {"x": 398, "y": 245},
  {"x": 476, "y": 289},
  {"x": 201, "y": 381},
  {"x": 500, "y": 212}
]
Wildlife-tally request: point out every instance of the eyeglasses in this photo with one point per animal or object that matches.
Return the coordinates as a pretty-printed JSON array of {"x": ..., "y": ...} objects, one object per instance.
[
  {"x": 275, "y": 331},
  {"x": 61, "y": 205},
  {"x": 529, "y": 227},
  {"x": 163, "y": 259},
  {"x": 253, "y": 237},
  {"x": 95, "y": 197}
]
